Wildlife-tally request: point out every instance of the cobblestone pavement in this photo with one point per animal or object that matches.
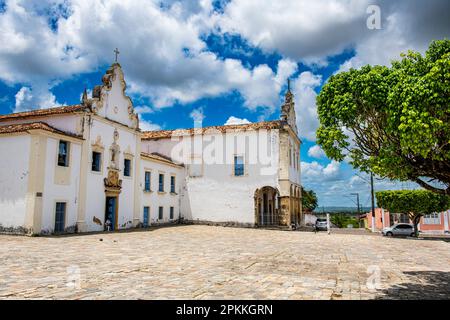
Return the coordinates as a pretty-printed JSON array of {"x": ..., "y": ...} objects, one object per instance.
[{"x": 205, "y": 262}]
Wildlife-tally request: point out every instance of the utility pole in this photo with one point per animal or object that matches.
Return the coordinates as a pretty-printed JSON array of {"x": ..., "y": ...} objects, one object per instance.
[
  {"x": 358, "y": 207},
  {"x": 357, "y": 201},
  {"x": 373, "y": 202}
]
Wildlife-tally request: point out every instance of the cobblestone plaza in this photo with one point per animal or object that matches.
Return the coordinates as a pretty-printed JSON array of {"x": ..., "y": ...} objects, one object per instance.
[{"x": 205, "y": 262}]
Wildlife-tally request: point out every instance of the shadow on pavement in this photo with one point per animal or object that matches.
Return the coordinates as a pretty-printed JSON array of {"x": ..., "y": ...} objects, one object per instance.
[
  {"x": 424, "y": 285},
  {"x": 445, "y": 238}
]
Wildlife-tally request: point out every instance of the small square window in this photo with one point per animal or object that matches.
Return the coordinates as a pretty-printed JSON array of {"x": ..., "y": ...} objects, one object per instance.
[
  {"x": 127, "y": 167},
  {"x": 96, "y": 161},
  {"x": 63, "y": 154}
]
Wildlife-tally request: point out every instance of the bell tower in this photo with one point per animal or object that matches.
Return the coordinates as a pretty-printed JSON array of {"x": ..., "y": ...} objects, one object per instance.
[{"x": 288, "y": 109}]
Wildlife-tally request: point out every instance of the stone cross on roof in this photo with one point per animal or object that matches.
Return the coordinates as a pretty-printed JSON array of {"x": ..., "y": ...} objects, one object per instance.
[{"x": 116, "y": 53}]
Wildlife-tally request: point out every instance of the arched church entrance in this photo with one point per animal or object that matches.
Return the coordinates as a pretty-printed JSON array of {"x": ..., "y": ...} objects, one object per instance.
[{"x": 267, "y": 206}]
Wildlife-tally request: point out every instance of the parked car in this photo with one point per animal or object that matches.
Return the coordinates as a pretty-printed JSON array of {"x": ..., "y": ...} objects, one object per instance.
[
  {"x": 399, "y": 229},
  {"x": 321, "y": 224}
]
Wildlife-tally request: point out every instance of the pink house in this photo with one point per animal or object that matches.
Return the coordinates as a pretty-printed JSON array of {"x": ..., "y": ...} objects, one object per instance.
[{"x": 437, "y": 223}]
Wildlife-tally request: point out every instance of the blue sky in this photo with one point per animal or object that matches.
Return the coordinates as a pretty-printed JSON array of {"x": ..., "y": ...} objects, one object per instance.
[{"x": 219, "y": 59}]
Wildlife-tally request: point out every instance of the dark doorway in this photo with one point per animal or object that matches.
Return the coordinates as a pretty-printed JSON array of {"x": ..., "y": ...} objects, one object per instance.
[
  {"x": 60, "y": 217},
  {"x": 266, "y": 206},
  {"x": 110, "y": 213}
]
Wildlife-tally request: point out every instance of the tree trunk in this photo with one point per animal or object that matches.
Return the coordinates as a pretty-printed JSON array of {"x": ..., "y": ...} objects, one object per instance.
[{"x": 416, "y": 223}]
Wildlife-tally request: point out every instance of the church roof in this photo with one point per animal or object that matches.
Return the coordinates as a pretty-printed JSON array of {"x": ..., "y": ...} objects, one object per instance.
[
  {"x": 42, "y": 112},
  {"x": 159, "y": 157},
  {"x": 161, "y": 134},
  {"x": 26, "y": 127}
]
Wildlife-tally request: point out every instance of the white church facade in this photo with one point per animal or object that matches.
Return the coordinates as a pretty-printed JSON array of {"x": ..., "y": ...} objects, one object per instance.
[{"x": 89, "y": 167}]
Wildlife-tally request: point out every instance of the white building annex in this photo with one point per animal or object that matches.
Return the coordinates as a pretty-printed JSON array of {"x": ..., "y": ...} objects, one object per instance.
[{"x": 89, "y": 167}]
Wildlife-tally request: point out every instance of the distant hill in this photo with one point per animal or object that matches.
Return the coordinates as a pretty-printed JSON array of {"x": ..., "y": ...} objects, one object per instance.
[{"x": 340, "y": 209}]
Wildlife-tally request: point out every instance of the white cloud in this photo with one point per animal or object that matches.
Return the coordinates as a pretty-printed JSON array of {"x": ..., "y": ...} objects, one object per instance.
[
  {"x": 163, "y": 54},
  {"x": 316, "y": 152},
  {"x": 300, "y": 29},
  {"x": 31, "y": 98},
  {"x": 305, "y": 104},
  {"x": 197, "y": 115},
  {"x": 312, "y": 31},
  {"x": 406, "y": 25},
  {"x": 313, "y": 171},
  {"x": 143, "y": 109},
  {"x": 166, "y": 59},
  {"x": 234, "y": 120},
  {"x": 146, "y": 125}
]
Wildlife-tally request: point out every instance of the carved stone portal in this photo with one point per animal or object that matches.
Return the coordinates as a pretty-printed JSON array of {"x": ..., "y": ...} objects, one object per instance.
[{"x": 112, "y": 182}]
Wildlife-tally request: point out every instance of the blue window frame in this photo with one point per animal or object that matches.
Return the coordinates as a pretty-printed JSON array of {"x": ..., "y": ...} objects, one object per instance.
[
  {"x": 161, "y": 183},
  {"x": 96, "y": 161},
  {"x": 238, "y": 165},
  {"x": 127, "y": 167},
  {"x": 60, "y": 216},
  {"x": 146, "y": 216},
  {"x": 147, "y": 181},
  {"x": 160, "y": 213},
  {"x": 171, "y": 213},
  {"x": 63, "y": 154},
  {"x": 172, "y": 184}
]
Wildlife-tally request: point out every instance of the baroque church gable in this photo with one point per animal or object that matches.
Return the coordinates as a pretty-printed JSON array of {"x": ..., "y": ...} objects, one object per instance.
[{"x": 110, "y": 101}]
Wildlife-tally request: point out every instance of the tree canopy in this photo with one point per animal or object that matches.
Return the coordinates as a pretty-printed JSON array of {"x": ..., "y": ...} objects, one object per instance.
[
  {"x": 309, "y": 200},
  {"x": 415, "y": 203},
  {"x": 392, "y": 121}
]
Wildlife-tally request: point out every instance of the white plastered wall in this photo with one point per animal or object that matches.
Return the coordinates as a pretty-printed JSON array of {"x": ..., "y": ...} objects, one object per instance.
[
  {"x": 154, "y": 199},
  {"x": 14, "y": 173},
  {"x": 60, "y": 192},
  {"x": 217, "y": 195}
]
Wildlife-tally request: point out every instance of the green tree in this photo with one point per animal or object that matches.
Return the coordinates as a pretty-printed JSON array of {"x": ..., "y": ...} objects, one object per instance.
[
  {"x": 342, "y": 220},
  {"x": 392, "y": 121},
  {"x": 415, "y": 203},
  {"x": 309, "y": 200}
]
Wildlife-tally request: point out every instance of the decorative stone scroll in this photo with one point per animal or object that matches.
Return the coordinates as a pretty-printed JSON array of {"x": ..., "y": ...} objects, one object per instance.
[{"x": 112, "y": 182}]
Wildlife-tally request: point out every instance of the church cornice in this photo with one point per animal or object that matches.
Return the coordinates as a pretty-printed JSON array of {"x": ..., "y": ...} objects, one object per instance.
[{"x": 163, "y": 134}]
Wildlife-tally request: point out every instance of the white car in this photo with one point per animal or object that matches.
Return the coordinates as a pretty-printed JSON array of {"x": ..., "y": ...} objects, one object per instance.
[
  {"x": 399, "y": 229},
  {"x": 321, "y": 224}
]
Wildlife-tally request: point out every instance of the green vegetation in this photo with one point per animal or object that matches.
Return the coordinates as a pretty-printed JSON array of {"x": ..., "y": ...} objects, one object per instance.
[
  {"x": 342, "y": 220},
  {"x": 415, "y": 203},
  {"x": 309, "y": 200},
  {"x": 394, "y": 122}
]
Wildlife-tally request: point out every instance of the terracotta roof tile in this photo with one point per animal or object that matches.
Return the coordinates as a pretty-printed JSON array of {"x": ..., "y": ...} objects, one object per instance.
[
  {"x": 25, "y": 127},
  {"x": 161, "y": 134},
  {"x": 42, "y": 112}
]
